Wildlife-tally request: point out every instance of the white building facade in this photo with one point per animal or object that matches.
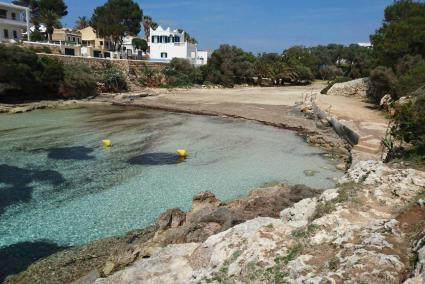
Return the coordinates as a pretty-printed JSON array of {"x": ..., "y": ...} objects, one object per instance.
[
  {"x": 166, "y": 44},
  {"x": 14, "y": 20},
  {"x": 128, "y": 50}
]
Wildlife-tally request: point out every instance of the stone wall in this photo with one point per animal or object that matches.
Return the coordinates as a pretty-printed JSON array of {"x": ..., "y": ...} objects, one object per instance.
[
  {"x": 133, "y": 69},
  {"x": 357, "y": 87},
  {"x": 123, "y": 64},
  {"x": 54, "y": 48},
  {"x": 343, "y": 130}
]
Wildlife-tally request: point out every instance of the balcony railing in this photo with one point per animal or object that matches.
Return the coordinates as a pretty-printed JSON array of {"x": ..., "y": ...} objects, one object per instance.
[{"x": 17, "y": 19}]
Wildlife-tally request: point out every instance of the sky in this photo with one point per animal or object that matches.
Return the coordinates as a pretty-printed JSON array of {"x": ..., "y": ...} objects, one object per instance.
[{"x": 258, "y": 25}]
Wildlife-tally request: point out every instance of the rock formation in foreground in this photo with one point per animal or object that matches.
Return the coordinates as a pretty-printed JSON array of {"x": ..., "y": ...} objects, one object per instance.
[{"x": 367, "y": 230}]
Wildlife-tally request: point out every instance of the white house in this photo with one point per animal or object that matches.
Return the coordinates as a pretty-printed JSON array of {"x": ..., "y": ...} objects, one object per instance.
[
  {"x": 127, "y": 48},
  {"x": 14, "y": 20},
  {"x": 164, "y": 45},
  {"x": 365, "y": 44}
]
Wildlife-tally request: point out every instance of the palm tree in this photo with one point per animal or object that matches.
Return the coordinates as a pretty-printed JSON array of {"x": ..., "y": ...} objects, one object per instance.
[
  {"x": 147, "y": 24},
  {"x": 81, "y": 23}
]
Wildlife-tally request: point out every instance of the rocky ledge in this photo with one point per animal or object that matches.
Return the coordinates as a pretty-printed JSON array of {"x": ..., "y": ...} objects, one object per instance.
[
  {"x": 370, "y": 229},
  {"x": 208, "y": 216},
  {"x": 27, "y": 107}
]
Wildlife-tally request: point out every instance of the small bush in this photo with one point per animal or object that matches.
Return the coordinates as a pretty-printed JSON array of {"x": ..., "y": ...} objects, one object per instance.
[
  {"x": 383, "y": 81},
  {"x": 410, "y": 122},
  {"x": 23, "y": 72},
  {"x": 305, "y": 232},
  {"x": 323, "y": 209},
  {"x": 112, "y": 78},
  {"x": 330, "y": 72},
  {"x": 304, "y": 74},
  {"x": 79, "y": 82},
  {"x": 333, "y": 263},
  {"x": 411, "y": 80},
  {"x": 151, "y": 78},
  {"x": 180, "y": 73},
  {"x": 40, "y": 49}
]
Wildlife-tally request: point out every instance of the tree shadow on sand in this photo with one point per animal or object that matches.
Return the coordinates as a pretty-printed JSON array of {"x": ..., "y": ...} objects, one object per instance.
[
  {"x": 17, "y": 183},
  {"x": 17, "y": 257},
  {"x": 156, "y": 159},
  {"x": 80, "y": 153}
]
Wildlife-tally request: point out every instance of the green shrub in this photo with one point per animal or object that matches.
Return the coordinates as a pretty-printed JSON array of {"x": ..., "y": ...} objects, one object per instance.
[
  {"x": 411, "y": 80},
  {"x": 151, "y": 77},
  {"x": 410, "y": 122},
  {"x": 112, "y": 78},
  {"x": 383, "y": 81},
  {"x": 330, "y": 72},
  {"x": 79, "y": 81},
  {"x": 40, "y": 49},
  {"x": 229, "y": 65},
  {"x": 38, "y": 36},
  {"x": 140, "y": 44},
  {"x": 180, "y": 73},
  {"x": 29, "y": 75},
  {"x": 304, "y": 74}
]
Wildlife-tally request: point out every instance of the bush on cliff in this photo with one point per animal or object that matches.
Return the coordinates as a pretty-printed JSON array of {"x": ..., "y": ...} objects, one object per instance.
[
  {"x": 79, "y": 82},
  {"x": 151, "y": 77},
  {"x": 111, "y": 78},
  {"x": 383, "y": 81},
  {"x": 409, "y": 128},
  {"x": 411, "y": 80},
  {"x": 23, "y": 72}
]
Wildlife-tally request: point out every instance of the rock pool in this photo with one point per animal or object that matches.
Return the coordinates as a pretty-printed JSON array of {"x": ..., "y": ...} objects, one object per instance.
[{"x": 59, "y": 184}]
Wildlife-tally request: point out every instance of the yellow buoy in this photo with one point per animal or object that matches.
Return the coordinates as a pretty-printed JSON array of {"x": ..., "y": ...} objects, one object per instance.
[
  {"x": 107, "y": 143},
  {"x": 182, "y": 153}
]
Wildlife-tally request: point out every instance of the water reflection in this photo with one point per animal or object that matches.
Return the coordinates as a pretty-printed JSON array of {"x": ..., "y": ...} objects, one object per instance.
[
  {"x": 156, "y": 159},
  {"x": 18, "y": 180},
  {"x": 71, "y": 153},
  {"x": 17, "y": 257}
]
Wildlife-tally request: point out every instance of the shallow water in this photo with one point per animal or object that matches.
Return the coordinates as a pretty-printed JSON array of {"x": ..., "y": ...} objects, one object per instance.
[{"x": 58, "y": 183}]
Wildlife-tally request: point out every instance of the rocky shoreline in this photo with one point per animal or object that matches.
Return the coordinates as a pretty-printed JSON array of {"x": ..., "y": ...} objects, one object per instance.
[
  {"x": 360, "y": 232},
  {"x": 208, "y": 216}
]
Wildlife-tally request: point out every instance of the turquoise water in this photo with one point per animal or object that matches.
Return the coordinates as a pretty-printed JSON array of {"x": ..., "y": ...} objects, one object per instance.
[{"x": 58, "y": 183}]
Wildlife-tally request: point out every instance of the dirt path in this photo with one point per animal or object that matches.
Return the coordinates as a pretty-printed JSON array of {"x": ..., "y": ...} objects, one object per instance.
[{"x": 362, "y": 117}]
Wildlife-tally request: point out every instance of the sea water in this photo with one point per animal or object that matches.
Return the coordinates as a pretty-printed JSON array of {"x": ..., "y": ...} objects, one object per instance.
[{"x": 59, "y": 184}]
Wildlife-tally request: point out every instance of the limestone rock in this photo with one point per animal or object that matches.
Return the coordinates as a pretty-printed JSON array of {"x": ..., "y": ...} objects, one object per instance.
[
  {"x": 329, "y": 194},
  {"x": 385, "y": 102},
  {"x": 299, "y": 214},
  {"x": 169, "y": 265},
  {"x": 172, "y": 218},
  {"x": 392, "y": 185},
  {"x": 357, "y": 87},
  {"x": 204, "y": 199}
]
